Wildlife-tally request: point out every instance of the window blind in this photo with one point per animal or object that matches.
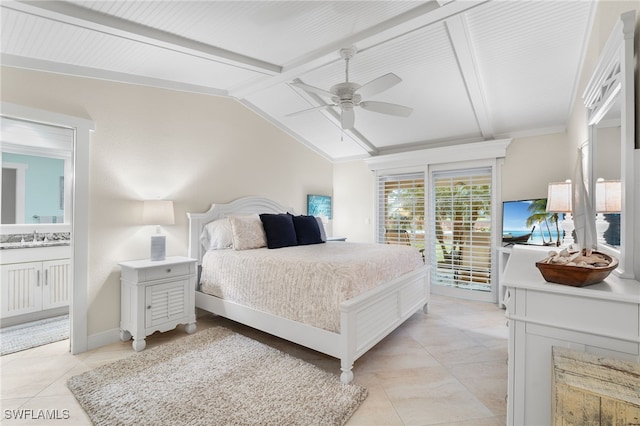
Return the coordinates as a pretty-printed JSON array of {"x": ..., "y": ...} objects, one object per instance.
[
  {"x": 401, "y": 209},
  {"x": 460, "y": 228}
]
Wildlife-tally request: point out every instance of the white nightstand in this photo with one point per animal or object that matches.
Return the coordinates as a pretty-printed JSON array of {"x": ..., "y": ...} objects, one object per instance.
[{"x": 156, "y": 296}]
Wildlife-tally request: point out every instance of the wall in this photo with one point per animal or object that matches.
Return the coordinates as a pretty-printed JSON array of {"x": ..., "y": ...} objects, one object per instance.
[
  {"x": 153, "y": 143},
  {"x": 42, "y": 186},
  {"x": 532, "y": 163}
]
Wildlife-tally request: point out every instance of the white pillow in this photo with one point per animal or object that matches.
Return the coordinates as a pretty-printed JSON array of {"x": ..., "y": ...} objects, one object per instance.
[
  {"x": 248, "y": 232},
  {"x": 323, "y": 234},
  {"x": 217, "y": 235}
]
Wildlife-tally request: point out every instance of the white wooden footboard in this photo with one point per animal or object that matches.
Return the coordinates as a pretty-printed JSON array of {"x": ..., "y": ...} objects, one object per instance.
[
  {"x": 368, "y": 318},
  {"x": 364, "y": 320}
]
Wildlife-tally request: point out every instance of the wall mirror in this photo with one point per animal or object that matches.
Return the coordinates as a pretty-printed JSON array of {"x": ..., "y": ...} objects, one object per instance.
[
  {"x": 609, "y": 99},
  {"x": 36, "y": 175}
]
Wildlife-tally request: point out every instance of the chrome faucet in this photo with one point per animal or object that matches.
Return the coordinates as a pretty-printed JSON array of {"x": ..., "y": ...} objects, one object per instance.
[{"x": 35, "y": 236}]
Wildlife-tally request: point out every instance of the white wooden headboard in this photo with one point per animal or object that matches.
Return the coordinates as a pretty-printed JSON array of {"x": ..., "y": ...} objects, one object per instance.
[{"x": 241, "y": 206}]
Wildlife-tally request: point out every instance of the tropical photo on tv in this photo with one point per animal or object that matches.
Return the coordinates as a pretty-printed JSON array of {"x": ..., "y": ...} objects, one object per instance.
[{"x": 529, "y": 222}]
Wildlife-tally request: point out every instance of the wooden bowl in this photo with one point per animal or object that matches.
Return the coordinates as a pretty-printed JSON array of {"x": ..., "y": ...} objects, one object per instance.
[{"x": 576, "y": 276}]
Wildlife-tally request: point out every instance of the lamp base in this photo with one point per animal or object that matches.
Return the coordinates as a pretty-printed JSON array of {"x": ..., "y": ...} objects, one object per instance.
[
  {"x": 601, "y": 227},
  {"x": 158, "y": 247}
]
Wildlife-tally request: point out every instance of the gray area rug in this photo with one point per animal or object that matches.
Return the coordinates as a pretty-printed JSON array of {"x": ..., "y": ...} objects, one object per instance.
[
  {"x": 214, "y": 377},
  {"x": 36, "y": 333}
]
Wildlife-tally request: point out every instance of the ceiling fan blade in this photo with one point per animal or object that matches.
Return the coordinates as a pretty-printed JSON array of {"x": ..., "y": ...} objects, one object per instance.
[
  {"x": 347, "y": 119},
  {"x": 386, "y": 108},
  {"x": 311, "y": 89},
  {"x": 378, "y": 85},
  {"x": 293, "y": 114}
]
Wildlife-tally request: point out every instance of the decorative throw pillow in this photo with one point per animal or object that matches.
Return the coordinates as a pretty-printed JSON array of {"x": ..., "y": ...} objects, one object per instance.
[
  {"x": 323, "y": 234},
  {"x": 307, "y": 230},
  {"x": 248, "y": 232},
  {"x": 217, "y": 235},
  {"x": 279, "y": 230}
]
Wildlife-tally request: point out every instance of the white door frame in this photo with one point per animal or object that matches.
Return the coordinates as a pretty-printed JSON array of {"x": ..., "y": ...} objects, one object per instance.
[{"x": 82, "y": 128}]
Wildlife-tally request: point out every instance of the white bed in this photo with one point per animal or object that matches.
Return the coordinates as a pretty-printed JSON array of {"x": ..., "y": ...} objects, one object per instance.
[{"x": 364, "y": 320}]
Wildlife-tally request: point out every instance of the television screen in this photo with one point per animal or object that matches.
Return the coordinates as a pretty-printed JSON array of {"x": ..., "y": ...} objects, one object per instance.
[{"x": 528, "y": 222}]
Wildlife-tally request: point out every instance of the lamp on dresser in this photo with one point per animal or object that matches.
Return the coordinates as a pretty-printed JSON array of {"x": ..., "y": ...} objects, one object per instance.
[
  {"x": 559, "y": 201},
  {"x": 608, "y": 200},
  {"x": 158, "y": 212}
]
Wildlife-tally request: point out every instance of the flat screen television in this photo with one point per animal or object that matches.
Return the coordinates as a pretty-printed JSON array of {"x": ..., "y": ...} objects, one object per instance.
[{"x": 527, "y": 222}]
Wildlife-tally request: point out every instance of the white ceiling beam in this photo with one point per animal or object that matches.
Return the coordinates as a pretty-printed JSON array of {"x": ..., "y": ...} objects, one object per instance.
[
  {"x": 461, "y": 43},
  {"x": 73, "y": 14},
  {"x": 413, "y": 20},
  {"x": 102, "y": 74}
]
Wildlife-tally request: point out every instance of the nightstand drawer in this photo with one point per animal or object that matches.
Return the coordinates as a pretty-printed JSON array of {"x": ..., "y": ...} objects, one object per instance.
[{"x": 165, "y": 271}]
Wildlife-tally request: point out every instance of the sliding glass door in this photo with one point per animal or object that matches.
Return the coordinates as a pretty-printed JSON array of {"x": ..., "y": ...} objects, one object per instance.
[
  {"x": 461, "y": 232},
  {"x": 401, "y": 202}
]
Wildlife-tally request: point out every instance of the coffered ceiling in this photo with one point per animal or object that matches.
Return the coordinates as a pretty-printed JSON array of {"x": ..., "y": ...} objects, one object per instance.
[{"x": 471, "y": 70}]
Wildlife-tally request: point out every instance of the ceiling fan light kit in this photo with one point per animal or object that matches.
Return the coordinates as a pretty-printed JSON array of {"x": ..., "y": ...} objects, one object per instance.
[{"x": 347, "y": 95}]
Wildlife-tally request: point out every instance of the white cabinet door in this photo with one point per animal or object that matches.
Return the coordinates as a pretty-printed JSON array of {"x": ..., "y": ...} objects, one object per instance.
[
  {"x": 56, "y": 283},
  {"x": 21, "y": 288},
  {"x": 166, "y": 303}
]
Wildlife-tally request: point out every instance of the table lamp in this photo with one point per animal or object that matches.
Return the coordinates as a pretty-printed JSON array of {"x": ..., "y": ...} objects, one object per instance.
[
  {"x": 158, "y": 212},
  {"x": 608, "y": 200},
  {"x": 559, "y": 201}
]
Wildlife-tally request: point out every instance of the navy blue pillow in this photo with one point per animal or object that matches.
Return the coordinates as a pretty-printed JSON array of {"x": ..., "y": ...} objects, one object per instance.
[
  {"x": 307, "y": 230},
  {"x": 279, "y": 230}
]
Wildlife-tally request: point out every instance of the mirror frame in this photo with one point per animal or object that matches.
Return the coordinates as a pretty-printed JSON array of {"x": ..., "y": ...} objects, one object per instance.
[{"x": 612, "y": 80}]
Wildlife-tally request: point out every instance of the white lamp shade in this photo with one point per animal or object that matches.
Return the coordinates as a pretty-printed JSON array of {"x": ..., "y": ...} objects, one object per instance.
[
  {"x": 158, "y": 212},
  {"x": 559, "y": 197},
  {"x": 608, "y": 196}
]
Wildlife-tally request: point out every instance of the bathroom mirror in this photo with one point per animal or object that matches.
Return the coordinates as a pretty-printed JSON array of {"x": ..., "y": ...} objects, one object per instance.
[
  {"x": 610, "y": 104},
  {"x": 36, "y": 173}
]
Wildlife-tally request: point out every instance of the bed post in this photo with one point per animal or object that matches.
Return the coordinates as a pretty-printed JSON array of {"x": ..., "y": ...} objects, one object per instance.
[{"x": 348, "y": 351}]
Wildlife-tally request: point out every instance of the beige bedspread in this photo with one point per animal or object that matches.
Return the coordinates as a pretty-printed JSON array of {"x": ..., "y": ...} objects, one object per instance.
[{"x": 304, "y": 283}]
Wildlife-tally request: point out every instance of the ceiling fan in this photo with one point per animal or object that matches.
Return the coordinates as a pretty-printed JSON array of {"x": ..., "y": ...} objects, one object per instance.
[{"x": 348, "y": 95}]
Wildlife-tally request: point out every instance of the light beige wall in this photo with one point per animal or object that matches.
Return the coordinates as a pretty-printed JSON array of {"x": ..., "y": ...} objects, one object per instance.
[
  {"x": 153, "y": 143},
  {"x": 532, "y": 163}
]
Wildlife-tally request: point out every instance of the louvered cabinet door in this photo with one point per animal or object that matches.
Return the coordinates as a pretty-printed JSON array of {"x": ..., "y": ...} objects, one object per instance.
[
  {"x": 56, "y": 280},
  {"x": 21, "y": 288},
  {"x": 166, "y": 303}
]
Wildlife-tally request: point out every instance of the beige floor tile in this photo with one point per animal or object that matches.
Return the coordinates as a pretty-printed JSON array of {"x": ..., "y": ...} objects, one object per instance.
[
  {"x": 27, "y": 376},
  {"x": 430, "y": 396},
  {"x": 487, "y": 380},
  {"x": 377, "y": 409}
]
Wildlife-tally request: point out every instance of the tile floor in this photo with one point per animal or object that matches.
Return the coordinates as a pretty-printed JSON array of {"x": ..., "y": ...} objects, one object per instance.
[{"x": 445, "y": 368}]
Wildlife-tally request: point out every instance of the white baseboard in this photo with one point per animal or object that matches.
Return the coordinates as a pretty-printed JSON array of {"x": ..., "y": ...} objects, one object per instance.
[{"x": 103, "y": 338}]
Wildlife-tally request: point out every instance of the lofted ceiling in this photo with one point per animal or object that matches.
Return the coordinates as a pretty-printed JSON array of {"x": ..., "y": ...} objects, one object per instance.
[{"x": 471, "y": 70}]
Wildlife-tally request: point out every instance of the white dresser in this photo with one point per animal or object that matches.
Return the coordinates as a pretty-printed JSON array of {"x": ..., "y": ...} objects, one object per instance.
[
  {"x": 601, "y": 319},
  {"x": 156, "y": 296}
]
